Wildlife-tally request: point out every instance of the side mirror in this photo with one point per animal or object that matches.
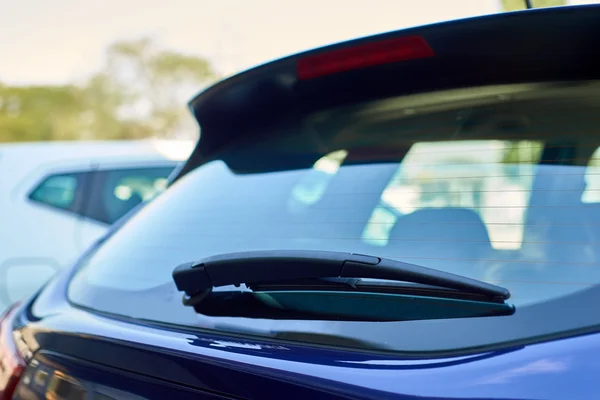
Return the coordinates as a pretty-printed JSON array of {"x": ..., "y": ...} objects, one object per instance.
[{"x": 20, "y": 278}]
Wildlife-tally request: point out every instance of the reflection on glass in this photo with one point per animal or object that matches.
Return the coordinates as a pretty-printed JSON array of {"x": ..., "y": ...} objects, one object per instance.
[
  {"x": 592, "y": 180},
  {"x": 493, "y": 178},
  {"x": 313, "y": 184}
]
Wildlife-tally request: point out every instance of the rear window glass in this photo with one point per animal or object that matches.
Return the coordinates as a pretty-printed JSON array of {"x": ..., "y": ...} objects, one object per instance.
[{"x": 494, "y": 183}]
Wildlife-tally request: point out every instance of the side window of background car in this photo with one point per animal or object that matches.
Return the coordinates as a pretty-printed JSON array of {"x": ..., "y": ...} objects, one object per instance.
[
  {"x": 61, "y": 191},
  {"x": 116, "y": 192}
]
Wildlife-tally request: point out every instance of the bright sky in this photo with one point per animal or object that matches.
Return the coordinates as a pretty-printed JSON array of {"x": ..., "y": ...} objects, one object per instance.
[{"x": 53, "y": 41}]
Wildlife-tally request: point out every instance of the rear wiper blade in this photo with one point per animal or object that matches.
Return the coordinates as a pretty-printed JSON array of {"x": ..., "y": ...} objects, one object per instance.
[
  {"x": 307, "y": 274},
  {"x": 362, "y": 285}
]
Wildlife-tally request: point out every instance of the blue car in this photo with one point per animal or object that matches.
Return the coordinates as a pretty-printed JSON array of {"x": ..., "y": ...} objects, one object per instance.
[{"x": 412, "y": 215}]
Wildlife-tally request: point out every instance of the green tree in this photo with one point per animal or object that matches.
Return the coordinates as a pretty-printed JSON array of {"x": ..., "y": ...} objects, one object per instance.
[
  {"x": 140, "y": 92},
  {"x": 40, "y": 113},
  {"x": 519, "y": 154},
  {"x": 513, "y": 5},
  {"x": 143, "y": 89},
  {"x": 102, "y": 103}
]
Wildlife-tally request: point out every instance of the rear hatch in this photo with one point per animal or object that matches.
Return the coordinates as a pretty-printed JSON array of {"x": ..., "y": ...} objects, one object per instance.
[{"x": 328, "y": 150}]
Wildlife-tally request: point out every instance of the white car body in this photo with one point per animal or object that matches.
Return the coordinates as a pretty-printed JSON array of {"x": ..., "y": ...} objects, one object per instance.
[{"x": 38, "y": 235}]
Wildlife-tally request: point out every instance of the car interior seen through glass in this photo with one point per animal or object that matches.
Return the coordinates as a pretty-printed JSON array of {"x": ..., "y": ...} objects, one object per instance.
[{"x": 496, "y": 183}]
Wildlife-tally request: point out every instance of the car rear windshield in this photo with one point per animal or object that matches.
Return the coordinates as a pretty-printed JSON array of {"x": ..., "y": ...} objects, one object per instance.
[{"x": 496, "y": 183}]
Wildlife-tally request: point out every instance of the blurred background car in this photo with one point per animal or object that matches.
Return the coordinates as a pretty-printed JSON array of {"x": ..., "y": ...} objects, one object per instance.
[{"x": 57, "y": 198}]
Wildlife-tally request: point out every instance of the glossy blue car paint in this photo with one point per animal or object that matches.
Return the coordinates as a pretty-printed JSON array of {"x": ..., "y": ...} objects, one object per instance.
[
  {"x": 119, "y": 358},
  {"x": 252, "y": 368}
]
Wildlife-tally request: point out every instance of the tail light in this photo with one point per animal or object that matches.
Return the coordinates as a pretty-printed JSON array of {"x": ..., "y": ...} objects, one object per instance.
[
  {"x": 12, "y": 364},
  {"x": 363, "y": 55}
]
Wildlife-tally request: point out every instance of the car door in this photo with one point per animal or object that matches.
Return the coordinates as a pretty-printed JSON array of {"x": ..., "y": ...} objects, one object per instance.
[
  {"x": 59, "y": 211},
  {"x": 39, "y": 236},
  {"x": 116, "y": 189}
]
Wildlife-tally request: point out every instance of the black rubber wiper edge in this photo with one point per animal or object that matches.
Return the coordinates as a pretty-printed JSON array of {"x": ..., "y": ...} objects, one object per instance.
[
  {"x": 359, "y": 285},
  {"x": 255, "y": 267}
]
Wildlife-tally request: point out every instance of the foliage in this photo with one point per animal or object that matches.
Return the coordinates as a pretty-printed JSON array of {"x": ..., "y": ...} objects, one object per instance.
[
  {"x": 513, "y": 5},
  {"x": 40, "y": 113},
  {"x": 518, "y": 154},
  {"x": 147, "y": 87},
  {"x": 140, "y": 92}
]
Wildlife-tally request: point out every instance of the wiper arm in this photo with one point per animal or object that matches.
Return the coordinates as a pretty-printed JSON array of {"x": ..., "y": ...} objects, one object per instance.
[
  {"x": 324, "y": 285},
  {"x": 260, "y": 267}
]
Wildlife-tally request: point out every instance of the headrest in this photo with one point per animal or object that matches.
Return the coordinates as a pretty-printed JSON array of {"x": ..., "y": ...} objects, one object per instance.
[
  {"x": 442, "y": 226},
  {"x": 451, "y": 239}
]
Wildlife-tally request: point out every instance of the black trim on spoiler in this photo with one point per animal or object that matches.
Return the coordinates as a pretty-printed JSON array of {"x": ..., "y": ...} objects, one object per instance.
[{"x": 553, "y": 44}]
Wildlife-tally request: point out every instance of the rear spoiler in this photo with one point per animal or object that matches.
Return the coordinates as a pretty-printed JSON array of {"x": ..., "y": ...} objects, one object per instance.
[{"x": 540, "y": 45}]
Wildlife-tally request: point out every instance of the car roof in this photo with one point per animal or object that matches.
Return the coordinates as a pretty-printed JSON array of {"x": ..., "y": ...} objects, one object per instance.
[
  {"x": 98, "y": 151},
  {"x": 517, "y": 47}
]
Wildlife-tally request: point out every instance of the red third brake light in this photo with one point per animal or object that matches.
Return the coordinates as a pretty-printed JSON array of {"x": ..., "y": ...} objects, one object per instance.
[
  {"x": 364, "y": 55},
  {"x": 12, "y": 364}
]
